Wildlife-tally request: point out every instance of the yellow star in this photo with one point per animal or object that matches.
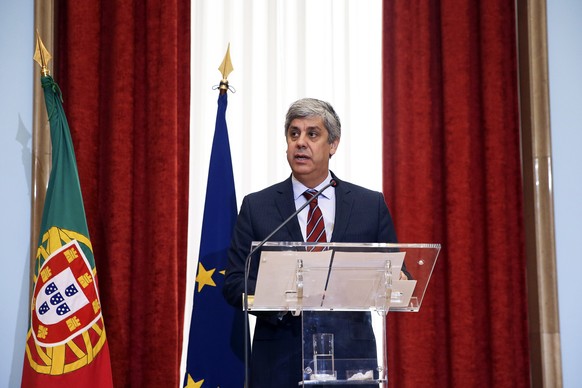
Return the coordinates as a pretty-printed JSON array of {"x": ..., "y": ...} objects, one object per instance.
[
  {"x": 193, "y": 384},
  {"x": 204, "y": 277}
]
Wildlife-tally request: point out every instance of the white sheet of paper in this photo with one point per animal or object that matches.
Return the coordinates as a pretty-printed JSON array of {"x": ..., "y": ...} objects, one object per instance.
[
  {"x": 277, "y": 278},
  {"x": 402, "y": 292},
  {"x": 358, "y": 278},
  {"x": 355, "y": 282}
]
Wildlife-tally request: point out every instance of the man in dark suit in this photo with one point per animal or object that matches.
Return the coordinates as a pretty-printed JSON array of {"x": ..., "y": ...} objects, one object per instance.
[{"x": 351, "y": 213}]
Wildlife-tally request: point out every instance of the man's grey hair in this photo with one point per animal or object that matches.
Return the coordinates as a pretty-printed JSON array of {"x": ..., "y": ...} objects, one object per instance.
[{"x": 311, "y": 107}]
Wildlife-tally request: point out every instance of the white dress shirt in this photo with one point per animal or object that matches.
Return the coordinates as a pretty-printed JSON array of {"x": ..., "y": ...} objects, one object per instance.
[{"x": 326, "y": 202}]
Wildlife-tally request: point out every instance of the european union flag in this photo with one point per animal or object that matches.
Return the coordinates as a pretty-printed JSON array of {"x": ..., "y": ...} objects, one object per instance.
[{"x": 216, "y": 344}]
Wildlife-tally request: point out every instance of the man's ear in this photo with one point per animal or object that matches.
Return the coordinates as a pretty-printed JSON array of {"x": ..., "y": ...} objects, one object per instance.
[{"x": 333, "y": 148}]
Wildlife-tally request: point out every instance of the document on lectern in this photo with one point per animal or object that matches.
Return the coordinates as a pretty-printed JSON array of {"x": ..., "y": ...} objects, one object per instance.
[
  {"x": 277, "y": 279},
  {"x": 329, "y": 280},
  {"x": 358, "y": 279}
]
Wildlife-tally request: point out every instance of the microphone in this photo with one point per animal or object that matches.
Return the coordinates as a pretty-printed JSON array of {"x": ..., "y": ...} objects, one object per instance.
[{"x": 332, "y": 183}]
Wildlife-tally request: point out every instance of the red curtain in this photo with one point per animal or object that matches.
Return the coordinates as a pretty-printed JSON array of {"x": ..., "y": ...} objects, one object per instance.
[
  {"x": 452, "y": 175},
  {"x": 124, "y": 70}
]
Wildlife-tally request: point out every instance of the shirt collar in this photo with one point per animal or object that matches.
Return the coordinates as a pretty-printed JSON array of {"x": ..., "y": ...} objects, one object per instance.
[{"x": 299, "y": 188}]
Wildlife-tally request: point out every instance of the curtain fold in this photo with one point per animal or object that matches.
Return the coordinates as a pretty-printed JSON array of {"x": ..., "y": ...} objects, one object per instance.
[
  {"x": 124, "y": 67},
  {"x": 452, "y": 174}
]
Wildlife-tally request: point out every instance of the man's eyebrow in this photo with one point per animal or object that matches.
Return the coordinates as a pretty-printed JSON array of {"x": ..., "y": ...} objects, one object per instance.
[{"x": 308, "y": 128}]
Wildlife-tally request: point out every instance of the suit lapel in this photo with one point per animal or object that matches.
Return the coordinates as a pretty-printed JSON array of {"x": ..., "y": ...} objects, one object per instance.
[
  {"x": 286, "y": 206},
  {"x": 343, "y": 208}
]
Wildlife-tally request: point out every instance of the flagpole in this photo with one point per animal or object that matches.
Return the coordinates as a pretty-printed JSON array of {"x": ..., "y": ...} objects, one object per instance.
[
  {"x": 41, "y": 141},
  {"x": 226, "y": 68},
  {"x": 215, "y": 326}
]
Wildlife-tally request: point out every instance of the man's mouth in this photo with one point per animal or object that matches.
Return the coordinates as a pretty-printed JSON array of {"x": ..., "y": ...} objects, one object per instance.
[{"x": 301, "y": 157}]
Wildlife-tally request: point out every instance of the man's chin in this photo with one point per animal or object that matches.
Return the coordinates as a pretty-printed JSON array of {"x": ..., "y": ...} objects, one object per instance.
[
  {"x": 301, "y": 170},
  {"x": 301, "y": 166}
]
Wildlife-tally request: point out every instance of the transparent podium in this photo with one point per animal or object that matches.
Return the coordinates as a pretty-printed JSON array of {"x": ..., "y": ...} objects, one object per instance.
[{"x": 343, "y": 293}]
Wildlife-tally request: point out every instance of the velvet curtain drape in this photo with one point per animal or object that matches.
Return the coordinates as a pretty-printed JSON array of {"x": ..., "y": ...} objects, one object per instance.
[
  {"x": 452, "y": 175},
  {"x": 124, "y": 70}
]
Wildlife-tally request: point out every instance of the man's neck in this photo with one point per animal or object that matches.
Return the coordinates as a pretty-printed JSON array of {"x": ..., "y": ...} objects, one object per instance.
[{"x": 313, "y": 182}]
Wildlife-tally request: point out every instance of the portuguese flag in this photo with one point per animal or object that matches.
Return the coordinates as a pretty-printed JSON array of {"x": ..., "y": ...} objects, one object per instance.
[{"x": 66, "y": 345}]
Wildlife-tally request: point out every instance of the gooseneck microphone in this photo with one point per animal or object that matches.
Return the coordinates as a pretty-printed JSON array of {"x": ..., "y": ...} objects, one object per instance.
[{"x": 332, "y": 183}]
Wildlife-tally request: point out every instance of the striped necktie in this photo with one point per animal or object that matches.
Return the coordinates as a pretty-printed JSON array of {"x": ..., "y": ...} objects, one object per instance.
[{"x": 315, "y": 222}]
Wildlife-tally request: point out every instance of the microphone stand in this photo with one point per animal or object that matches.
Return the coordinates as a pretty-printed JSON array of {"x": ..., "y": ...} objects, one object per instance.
[{"x": 332, "y": 183}]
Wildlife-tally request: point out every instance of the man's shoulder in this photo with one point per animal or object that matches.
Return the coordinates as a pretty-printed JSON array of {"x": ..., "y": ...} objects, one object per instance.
[
  {"x": 353, "y": 188},
  {"x": 279, "y": 187}
]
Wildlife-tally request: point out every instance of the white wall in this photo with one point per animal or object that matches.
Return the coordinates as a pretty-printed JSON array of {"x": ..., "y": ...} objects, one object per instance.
[
  {"x": 565, "y": 52},
  {"x": 16, "y": 71}
]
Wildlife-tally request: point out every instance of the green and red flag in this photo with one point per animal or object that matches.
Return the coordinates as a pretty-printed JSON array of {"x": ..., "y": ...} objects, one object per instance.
[{"x": 66, "y": 344}]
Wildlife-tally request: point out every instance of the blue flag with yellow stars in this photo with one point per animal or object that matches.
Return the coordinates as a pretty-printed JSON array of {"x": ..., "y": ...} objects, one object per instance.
[{"x": 216, "y": 343}]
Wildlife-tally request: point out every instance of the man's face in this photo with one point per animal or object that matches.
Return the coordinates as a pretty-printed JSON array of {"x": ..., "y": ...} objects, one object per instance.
[{"x": 308, "y": 150}]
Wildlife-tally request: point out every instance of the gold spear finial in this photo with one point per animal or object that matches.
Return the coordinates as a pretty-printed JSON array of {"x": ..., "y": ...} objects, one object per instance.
[
  {"x": 42, "y": 56},
  {"x": 225, "y": 68}
]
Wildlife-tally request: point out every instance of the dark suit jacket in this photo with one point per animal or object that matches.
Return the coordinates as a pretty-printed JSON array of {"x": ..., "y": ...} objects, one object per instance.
[{"x": 361, "y": 216}]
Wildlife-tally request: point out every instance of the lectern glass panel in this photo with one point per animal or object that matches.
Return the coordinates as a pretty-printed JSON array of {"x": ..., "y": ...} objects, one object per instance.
[
  {"x": 343, "y": 293},
  {"x": 341, "y": 276}
]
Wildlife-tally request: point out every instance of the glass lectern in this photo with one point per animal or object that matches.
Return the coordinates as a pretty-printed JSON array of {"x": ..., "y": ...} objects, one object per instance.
[{"x": 343, "y": 292}]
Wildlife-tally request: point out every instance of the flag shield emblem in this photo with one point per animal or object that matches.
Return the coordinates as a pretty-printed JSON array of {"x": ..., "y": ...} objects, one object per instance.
[{"x": 65, "y": 302}]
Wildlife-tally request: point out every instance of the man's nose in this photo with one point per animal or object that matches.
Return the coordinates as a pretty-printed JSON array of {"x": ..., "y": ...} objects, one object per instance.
[{"x": 301, "y": 139}]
